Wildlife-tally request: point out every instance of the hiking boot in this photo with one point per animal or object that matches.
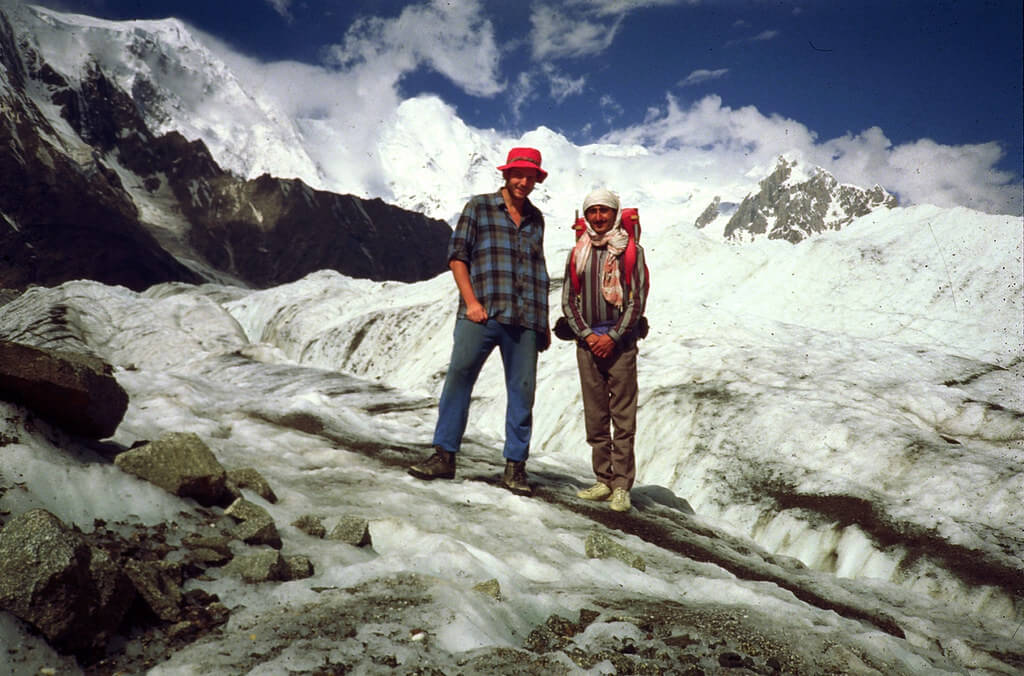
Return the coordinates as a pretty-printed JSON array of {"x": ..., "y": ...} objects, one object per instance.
[
  {"x": 441, "y": 465},
  {"x": 620, "y": 500},
  {"x": 515, "y": 478},
  {"x": 598, "y": 491}
]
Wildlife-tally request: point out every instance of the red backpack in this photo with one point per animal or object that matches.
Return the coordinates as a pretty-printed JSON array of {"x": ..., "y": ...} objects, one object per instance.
[{"x": 631, "y": 224}]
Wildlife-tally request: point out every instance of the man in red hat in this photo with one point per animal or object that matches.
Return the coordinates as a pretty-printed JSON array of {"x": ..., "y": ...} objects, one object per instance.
[{"x": 496, "y": 255}]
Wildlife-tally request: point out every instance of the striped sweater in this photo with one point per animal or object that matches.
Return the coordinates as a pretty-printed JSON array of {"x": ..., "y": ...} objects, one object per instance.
[{"x": 588, "y": 307}]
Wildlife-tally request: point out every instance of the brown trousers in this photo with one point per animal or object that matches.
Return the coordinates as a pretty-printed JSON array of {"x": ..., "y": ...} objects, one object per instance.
[{"x": 609, "y": 399}]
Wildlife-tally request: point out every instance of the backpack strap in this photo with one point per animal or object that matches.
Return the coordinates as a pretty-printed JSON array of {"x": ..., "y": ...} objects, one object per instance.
[
  {"x": 631, "y": 224},
  {"x": 580, "y": 226}
]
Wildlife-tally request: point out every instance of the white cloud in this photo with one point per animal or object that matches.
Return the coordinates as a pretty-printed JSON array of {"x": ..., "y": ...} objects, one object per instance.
[
  {"x": 607, "y": 7},
  {"x": 560, "y": 85},
  {"x": 557, "y": 34},
  {"x": 702, "y": 75},
  {"x": 579, "y": 28},
  {"x": 282, "y": 7},
  {"x": 522, "y": 91},
  {"x": 745, "y": 142},
  {"x": 763, "y": 36},
  {"x": 925, "y": 172},
  {"x": 610, "y": 109},
  {"x": 452, "y": 38}
]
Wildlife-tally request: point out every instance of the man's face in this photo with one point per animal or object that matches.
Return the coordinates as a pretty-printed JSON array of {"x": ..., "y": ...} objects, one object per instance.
[
  {"x": 600, "y": 218},
  {"x": 519, "y": 182}
]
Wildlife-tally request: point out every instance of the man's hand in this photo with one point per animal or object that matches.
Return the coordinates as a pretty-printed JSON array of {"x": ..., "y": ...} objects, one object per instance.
[
  {"x": 475, "y": 312},
  {"x": 600, "y": 346},
  {"x": 544, "y": 340}
]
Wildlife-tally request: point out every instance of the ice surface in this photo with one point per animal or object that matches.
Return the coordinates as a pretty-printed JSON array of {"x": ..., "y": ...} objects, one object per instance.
[{"x": 828, "y": 402}]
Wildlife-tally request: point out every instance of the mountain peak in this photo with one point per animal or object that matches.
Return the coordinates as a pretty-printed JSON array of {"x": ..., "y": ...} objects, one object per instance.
[{"x": 795, "y": 202}]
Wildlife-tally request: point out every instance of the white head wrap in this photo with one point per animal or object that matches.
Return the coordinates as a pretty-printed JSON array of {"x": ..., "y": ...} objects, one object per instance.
[{"x": 602, "y": 196}]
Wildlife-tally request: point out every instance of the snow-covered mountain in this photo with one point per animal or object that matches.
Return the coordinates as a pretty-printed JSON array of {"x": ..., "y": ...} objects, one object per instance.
[
  {"x": 179, "y": 85},
  {"x": 91, "y": 191},
  {"x": 792, "y": 204}
]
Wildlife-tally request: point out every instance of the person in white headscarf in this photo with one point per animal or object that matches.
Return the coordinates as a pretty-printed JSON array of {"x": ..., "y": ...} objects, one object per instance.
[{"x": 602, "y": 308}]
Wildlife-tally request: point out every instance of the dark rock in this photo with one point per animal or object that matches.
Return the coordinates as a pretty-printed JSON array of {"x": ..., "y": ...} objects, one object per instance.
[
  {"x": 297, "y": 567},
  {"x": 600, "y": 546},
  {"x": 200, "y": 613},
  {"x": 158, "y": 583},
  {"x": 352, "y": 530},
  {"x": 7, "y": 295},
  {"x": 263, "y": 566},
  {"x": 269, "y": 231},
  {"x": 247, "y": 477},
  {"x": 74, "y": 594},
  {"x": 203, "y": 558},
  {"x": 256, "y": 526},
  {"x": 731, "y": 660},
  {"x": 78, "y": 392},
  {"x": 216, "y": 543},
  {"x": 311, "y": 525},
  {"x": 181, "y": 464},
  {"x": 709, "y": 214},
  {"x": 798, "y": 210},
  {"x": 257, "y": 532},
  {"x": 490, "y": 587},
  {"x": 587, "y": 617},
  {"x": 554, "y": 634}
]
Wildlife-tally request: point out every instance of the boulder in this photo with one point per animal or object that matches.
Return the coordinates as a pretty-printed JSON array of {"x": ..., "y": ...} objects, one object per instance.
[
  {"x": 181, "y": 464},
  {"x": 311, "y": 524},
  {"x": 352, "y": 530},
  {"x": 76, "y": 391},
  {"x": 600, "y": 546},
  {"x": 159, "y": 585},
  {"x": 490, "y": 587},
  {"x": 297, "y": 567},
  {"x": 204, "y": 551},
  {"x": 247, "y": 477},
  {"x": 256, "y": 526},
  {"x": 262, "y": 566},
  {"x": 75, "y": 595}
]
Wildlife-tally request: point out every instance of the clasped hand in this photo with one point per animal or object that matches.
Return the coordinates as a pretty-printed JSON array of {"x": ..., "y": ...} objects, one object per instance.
[{"x": 600, "y": 346}]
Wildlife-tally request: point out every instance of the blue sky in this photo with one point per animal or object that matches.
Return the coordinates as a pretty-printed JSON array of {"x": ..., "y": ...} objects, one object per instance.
[{"x": 902, "y": 77}]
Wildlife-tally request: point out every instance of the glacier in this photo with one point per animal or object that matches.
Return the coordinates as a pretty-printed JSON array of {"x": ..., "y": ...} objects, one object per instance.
[{"x": 829, "y": 452}]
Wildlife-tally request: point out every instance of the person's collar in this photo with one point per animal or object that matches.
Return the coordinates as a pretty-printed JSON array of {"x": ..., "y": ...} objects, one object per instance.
[{"x": 500, "y": 197}]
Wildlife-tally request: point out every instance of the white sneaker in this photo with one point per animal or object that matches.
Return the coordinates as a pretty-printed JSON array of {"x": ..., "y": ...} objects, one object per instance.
[
  {"x": 620, "y": 500},
  {"x": 598, "y": 491}
]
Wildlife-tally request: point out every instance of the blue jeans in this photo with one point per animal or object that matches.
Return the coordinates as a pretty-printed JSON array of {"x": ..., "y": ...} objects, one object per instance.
[{"x": 473, "y": 344}]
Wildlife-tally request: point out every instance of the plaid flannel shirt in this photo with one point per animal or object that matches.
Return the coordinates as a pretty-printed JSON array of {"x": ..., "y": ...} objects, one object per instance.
[{"x": 506, "y": 264}]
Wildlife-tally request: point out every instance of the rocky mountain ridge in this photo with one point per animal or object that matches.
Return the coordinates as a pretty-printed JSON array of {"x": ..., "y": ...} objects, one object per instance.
[
  {"x": 94, "y": 193},
  {"x": 793, "y": 206}
]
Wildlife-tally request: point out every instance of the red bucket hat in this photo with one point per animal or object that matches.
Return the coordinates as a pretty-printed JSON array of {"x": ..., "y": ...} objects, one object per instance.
[{"x": 525, "y": 158}]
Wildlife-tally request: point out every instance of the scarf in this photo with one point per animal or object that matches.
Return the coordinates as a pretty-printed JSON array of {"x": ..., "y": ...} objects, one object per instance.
[{"x": 614, "y": 241}]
